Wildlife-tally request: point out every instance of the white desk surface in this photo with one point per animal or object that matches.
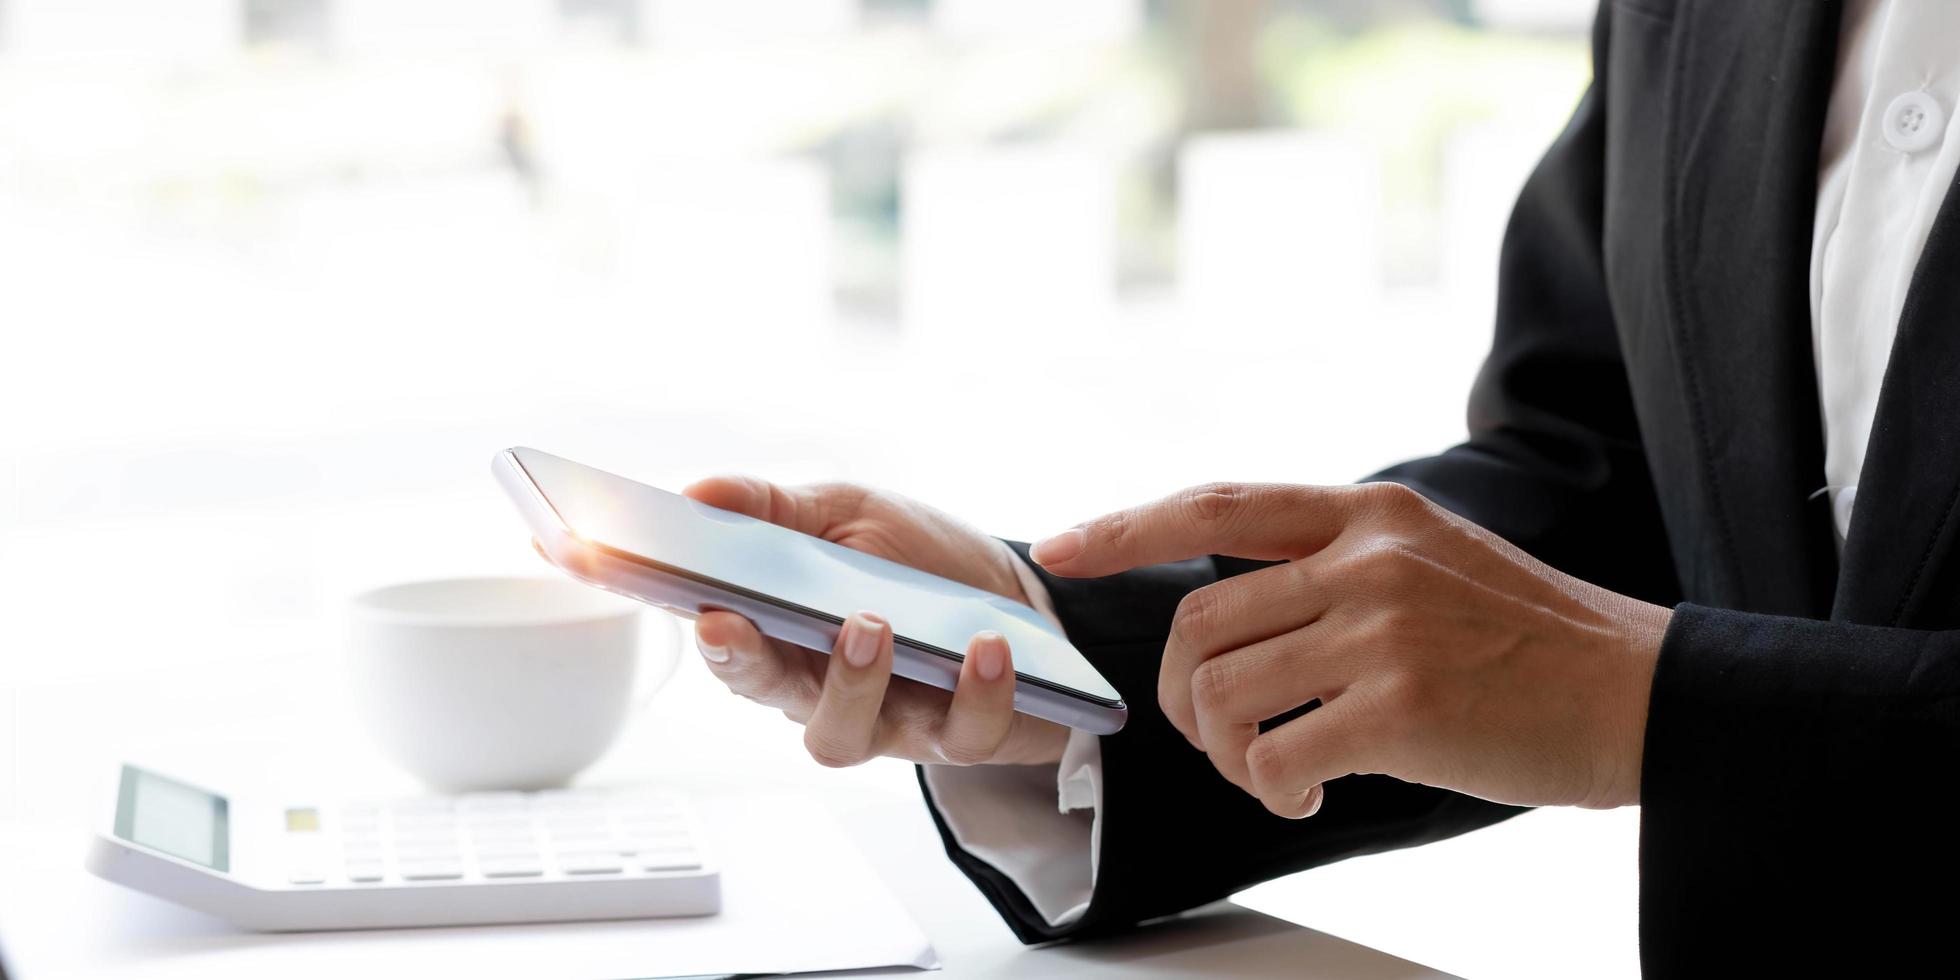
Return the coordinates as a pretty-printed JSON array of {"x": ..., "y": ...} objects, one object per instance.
[{"x": 224, "y": 661}]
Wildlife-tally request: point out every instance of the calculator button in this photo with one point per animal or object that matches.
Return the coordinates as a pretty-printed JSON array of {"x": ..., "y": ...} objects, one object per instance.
[
  {"x": 653, "y": 825},
  {"x": 364, "y": 871},
  {"x": 647, "y": 797},
  {"x": 500, "y": 823},
  {"x": 364, "y": 847},
  {"x": 416, "y": 819},
  {"x": 590, "y": 864},
  {"x": 674, "y": 859},
  {"x": 429, "y": 855},
  {"x": 492, "y": 803},
  {"x": 570, "y": 835},
  {"x": 560, "y": 799},
  {"x": 652, "y": 834},
  {"x": 505, "y": 844},
  {"x": 364, "y": 815},
  {"x": 643, "y": 818},
  {"x": 427, "y": 839},
  {"x": 510, "y": 867},
  {"x": 431, "y": 870},
  {"x": 514, "y": 854},
  {"x": 584, "y": 840},
  {"x": 654, "y": 846},
  {"x": 307, "y": 858},
  {"x": 500, "y": 820},
  {"x": 306, "y": 876}
]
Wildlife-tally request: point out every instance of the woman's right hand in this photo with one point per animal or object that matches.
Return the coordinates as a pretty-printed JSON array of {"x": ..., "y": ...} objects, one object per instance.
[{"x": 850, "y": 705}]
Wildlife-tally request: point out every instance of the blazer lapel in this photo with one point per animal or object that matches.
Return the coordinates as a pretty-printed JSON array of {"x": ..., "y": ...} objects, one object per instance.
[
  {"x": 1900, "y": 553},
  {"x": 1745, "y": 121}
]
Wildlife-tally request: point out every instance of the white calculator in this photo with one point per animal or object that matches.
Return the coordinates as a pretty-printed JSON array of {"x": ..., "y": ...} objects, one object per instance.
[{"x": 475, "y": 858}]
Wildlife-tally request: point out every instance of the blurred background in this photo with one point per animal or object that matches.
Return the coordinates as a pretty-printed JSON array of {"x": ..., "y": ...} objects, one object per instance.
[
  {"x": 957, "y": 246},
  {"x": 278, "y": 277}
]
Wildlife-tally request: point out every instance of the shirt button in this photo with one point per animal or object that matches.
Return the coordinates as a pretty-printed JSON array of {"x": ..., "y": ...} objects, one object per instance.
[
  {"x": 1913, "y": 122},
  {"x": 1847, "y": 498}
]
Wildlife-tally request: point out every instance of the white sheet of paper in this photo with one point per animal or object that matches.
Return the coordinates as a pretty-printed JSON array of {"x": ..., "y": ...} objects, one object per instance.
[{"x": 796, "y": 896}]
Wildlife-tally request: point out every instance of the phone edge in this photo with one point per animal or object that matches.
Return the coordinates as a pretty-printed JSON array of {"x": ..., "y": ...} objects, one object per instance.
[{"x": 599, "y": 566}]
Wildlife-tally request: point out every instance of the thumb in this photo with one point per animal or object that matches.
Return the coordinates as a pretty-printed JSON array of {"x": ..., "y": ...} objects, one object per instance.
[
  {"x": 1268, "y": 521},
  {"x": 814, "y": 509},
  {"x": 750, "y": 496}
]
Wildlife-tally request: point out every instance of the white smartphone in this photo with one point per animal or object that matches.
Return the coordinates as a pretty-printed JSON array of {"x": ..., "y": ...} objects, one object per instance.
[{"x": 685, "y": 556}]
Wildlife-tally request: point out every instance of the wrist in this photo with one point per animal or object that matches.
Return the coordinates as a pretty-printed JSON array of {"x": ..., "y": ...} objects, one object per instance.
[{"x": 1645, "y": 630}]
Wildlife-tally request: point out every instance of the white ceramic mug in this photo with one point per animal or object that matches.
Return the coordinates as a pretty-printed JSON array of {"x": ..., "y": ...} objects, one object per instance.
[{"x": 502, "y": 683}]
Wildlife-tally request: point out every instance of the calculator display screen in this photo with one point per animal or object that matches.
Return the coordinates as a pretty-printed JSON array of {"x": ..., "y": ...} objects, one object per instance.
[{"x": 175, "y": 818}]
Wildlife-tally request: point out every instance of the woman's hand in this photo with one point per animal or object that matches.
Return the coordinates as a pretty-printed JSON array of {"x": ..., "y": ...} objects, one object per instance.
[
  {"x": 1441, "y": 654},
  {"x": 850, "y": 705}
]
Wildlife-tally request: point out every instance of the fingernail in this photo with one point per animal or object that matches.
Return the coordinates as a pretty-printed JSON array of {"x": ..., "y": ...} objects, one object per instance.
[
  {"x": 861, "y": 639},
  {"x": 988, "y": 655},
  {"x": 1060, "y": 548},
  {"x": 714, "y": 653}
]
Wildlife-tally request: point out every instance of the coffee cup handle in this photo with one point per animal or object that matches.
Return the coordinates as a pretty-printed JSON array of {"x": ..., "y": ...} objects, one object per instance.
[{"x": 647, "y": 689}]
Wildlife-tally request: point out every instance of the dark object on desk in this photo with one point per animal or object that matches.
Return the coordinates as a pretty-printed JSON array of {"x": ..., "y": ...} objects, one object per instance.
[{"x": 1648, "y": 420}]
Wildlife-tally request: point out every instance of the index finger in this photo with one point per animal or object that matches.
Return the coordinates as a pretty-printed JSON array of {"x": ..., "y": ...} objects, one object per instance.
[{"x": 1266, "y": 521}]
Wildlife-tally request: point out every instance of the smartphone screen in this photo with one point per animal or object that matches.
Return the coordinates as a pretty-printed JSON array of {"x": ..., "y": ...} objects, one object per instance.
[{"x": 794, "y": 570}]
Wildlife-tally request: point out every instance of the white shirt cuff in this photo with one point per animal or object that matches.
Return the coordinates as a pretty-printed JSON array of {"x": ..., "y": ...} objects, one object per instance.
[
  {"x": 1035, "y": 589},
  {"x": 1004, "y": 815}
]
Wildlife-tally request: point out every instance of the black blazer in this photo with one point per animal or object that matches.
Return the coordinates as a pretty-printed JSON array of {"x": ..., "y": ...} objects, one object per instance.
[{"x": 1648, "y": 420}]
